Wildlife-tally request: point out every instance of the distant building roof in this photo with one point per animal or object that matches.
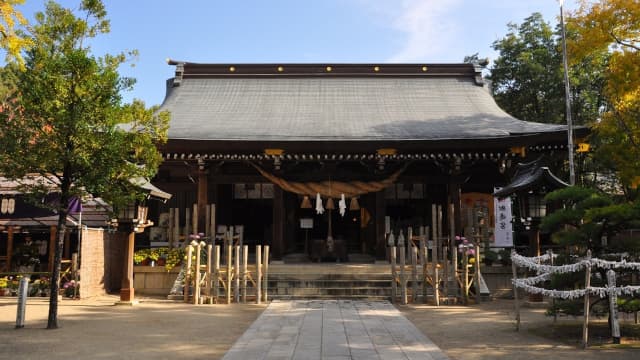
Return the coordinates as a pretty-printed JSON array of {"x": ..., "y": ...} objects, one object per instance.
[{"x": 341, "y": 102}]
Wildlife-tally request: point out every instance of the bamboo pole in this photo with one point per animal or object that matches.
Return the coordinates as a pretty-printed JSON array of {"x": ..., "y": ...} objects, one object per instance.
[
  {"x": 587, "y": 284},
  {"x": 403, "y": 276},
  {"x": 414, "y": 274},
  {"x": 394, "y": 274},
  {"x": 236, "y": 275},
  {"x": 170, "y": 230},
  {"x": 515, "y": 292},
  {"x": 209, "y": 274},
  {"x": 409, "y": 241},
  {"x": 194, "y": 219},
  {"x": 435, "y": 281},
  {"x": 453, "y": 249},
  {"x": 212, "y": 219},
  {"x": 258, "y": 274},
  {"x": 187, "y": 277},
  {"x": 176, "y": 227},
  {"x": 465, "y": 280},
  {"x": 476, "y": 274},
  {"x": 216, "y": 273},
  {"x": 423, "y": 263},
  {"x": 207, "y": 222},
  {"x": 434, "y": 232},
  {"x": 265, "y": 275},
  {"x": 196, "y": 285},
  {"x": 229, "y": 254},
  {"x": 245, "y": 260},
  {"x": 187, "y": 225},
  {"x": 445, "y": 261}
]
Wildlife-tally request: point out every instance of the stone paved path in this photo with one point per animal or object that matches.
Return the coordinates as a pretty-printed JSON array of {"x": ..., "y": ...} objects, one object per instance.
[{"x": 333, "y": 329}]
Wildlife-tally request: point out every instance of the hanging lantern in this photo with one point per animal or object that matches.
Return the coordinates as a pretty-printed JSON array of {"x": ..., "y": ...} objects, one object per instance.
[
  {"x": 330, "y": 204},
  {"x": 306, "y": 203},
  {"x": 354, "y": 205}
]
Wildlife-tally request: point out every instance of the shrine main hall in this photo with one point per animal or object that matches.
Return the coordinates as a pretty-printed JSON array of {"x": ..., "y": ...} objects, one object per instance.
[{"x": 305, "y": 157}]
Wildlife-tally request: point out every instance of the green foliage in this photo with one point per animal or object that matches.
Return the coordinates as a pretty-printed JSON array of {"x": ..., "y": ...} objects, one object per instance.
[
  {"x": 69, "y": 120},
  {"x": 628, "y": 305},
  {"x": 505, "y": 257},
  {"x": 489, "y": 257},
  {"x": 585, "y": 216},
  {"x": 65, "y": 119},
  {"x": 612, "y": 27},
  {"x": 527, "y": 77}
]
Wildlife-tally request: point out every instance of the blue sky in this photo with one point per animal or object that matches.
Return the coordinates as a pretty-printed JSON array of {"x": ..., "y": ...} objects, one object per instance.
[{"x": 286, "y": 31}]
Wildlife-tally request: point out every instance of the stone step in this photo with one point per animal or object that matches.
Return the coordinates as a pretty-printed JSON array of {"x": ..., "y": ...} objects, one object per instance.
[
  {"x": 329, "y": 283},
  {"x": 331, "y": 297},
  {"x": 336, "y": 292}
]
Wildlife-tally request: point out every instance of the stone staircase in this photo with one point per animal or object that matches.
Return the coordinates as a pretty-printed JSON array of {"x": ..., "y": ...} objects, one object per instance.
[{"x": 330, "y": 281}]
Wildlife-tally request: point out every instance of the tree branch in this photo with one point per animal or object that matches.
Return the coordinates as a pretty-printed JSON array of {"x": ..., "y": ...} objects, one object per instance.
[{"x": 624, "y": 43}]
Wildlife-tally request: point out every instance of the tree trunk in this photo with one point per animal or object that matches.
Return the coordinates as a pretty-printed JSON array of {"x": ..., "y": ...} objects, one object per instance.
[{"x": 52, "y": 322}]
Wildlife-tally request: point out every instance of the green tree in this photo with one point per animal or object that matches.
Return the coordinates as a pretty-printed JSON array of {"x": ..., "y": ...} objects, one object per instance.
[
  {"x": 527, "y": 77},
  {"x": 67, "y": 121}
]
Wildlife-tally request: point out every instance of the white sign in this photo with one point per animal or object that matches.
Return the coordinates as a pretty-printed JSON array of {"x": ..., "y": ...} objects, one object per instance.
[
  {"x": 306, "y": 223},
  {"x": 503, "y": 228}
]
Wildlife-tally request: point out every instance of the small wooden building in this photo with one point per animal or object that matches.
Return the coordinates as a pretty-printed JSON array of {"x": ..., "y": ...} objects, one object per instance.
[{"x": 404, "y": 143}]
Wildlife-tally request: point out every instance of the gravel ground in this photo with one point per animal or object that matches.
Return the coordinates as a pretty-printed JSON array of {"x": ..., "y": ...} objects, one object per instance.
[
  {"x": 96, "y": 329},
  {"x": 487, "y": 331},
  {"x": 160, "y": 329}
]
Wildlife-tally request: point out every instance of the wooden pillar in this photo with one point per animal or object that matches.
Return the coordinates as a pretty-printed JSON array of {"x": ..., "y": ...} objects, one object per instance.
[
  {"x": 10, "y": 248},
  {"x": 67, "y": 244},
  {"x": 381, "y": 245},
  {"x": 203, "y": 197},
  {"x": 278, "y": 223},
  {"x": 126, "y": 290}
]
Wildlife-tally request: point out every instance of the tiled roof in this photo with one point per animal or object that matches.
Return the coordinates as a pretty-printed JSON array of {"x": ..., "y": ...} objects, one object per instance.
[{"x": 346, "y": 106}]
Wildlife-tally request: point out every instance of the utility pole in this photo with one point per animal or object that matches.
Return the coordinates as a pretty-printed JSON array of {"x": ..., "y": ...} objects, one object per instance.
[{"x": 567, "y": 95}]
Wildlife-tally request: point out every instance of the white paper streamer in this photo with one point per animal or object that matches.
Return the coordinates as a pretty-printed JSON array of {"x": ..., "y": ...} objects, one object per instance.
[
  {"x": 342, "y": 205},
  {"x": 531, "y": 263},
  {"x": 319, "y": 207},
  {"x": 545, "y": 271}
]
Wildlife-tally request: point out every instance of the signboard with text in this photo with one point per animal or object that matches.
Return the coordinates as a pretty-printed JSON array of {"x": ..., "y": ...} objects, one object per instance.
[{"x": 504, "y": 228}]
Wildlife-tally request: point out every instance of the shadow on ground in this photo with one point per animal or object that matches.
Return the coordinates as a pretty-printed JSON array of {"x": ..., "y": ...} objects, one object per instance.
[{"x": 96, "y": 329}]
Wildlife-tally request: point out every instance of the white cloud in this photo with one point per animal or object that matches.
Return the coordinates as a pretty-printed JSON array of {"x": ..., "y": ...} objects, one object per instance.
[{"x": 429, "y": 27}]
